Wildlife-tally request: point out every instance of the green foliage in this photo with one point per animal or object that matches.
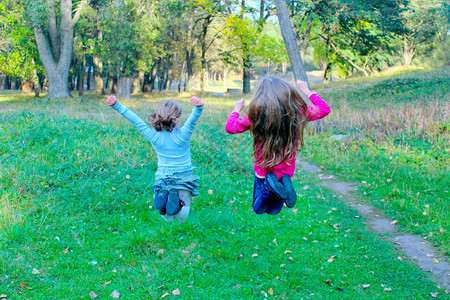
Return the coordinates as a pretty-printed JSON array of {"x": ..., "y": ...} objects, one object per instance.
[{"x": 18, "y": 52}]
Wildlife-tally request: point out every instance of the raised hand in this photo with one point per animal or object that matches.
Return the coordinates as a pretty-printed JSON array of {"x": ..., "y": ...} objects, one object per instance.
[
  {"x": 111, "y": 101},
  {"x": 197, "y": 101},
  {"x": 239, "y": 105},
  {"x": 303, "y": 87}
]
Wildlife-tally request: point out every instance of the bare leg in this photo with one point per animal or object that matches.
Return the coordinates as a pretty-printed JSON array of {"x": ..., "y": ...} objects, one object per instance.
[{"x": 185, "y": 197}]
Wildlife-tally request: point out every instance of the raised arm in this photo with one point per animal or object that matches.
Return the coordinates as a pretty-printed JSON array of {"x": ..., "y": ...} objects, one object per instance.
[
  {"x": 147, "y": 131},
  {"x": 188, "y": 128},
  {"x": 320, "y": 108},
  {"x": 234, "y": 123}
]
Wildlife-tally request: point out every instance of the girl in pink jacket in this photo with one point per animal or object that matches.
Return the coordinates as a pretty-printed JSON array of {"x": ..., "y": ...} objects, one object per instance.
[{"x": 277, "y": 116}]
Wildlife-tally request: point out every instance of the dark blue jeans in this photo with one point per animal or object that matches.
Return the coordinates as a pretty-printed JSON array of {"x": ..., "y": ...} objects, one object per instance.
[{"x": 265, "y": 201}]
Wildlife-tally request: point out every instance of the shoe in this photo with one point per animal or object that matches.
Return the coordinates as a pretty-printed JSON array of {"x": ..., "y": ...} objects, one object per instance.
[
  {"x": 162, "y": 211},
  {"x": 173, "y": 205},
  {"x": 275, "y": 205},
  {"x": 161, "y": 199},
  {"x": 292, "y": 194},
  {"x": 275, "y": 186}
]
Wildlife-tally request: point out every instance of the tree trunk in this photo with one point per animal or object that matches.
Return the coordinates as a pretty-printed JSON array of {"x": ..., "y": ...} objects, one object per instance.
[
  {"x": 55, "y": 45},
  {"x": 88, "y": 75},
  {"x": 146, "y": 82},
  {"x": 7, "y": 85},
  {"x": 81, "y": 76},
  {"x": 246, "y": 74},
  {"x": 37, "y": 86},
  {"x": 190, "y": 54},
  {"x": 98, "y": 71},
  {"x": 408, "y": 53},
  {"x": 138, "y": 82},
  {"x": 124, "y": 85},
  {"x": 168, "y": 80},
  {"x": 27, "y": 85},
  {"x": 97, "y": 61},
  {"x": 290, "y": 41},
  {"x": 155, "y": 71}
]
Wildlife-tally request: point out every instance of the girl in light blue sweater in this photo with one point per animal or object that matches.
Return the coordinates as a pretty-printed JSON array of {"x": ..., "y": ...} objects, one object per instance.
[{"x": 175, "y": 183}]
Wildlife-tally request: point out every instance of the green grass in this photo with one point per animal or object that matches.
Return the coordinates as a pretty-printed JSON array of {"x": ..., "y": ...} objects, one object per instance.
[
  {"x": 398, "y": 147},
  {"x": 69, "y": 211}
]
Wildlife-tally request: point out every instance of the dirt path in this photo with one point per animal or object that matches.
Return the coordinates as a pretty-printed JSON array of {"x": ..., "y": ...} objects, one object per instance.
[{"x": 415, "y": 247}]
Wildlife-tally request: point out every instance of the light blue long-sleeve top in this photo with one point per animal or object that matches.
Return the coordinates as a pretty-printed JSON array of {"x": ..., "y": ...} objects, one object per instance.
[{"x": 172, "y": 148}]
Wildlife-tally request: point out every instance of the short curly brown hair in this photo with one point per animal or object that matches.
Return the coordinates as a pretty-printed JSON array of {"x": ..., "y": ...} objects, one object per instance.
[{"x": 166, "y": 115}]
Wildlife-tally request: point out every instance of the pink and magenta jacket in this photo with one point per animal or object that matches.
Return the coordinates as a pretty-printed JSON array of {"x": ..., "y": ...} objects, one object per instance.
[{"x": 238, "y": 125}]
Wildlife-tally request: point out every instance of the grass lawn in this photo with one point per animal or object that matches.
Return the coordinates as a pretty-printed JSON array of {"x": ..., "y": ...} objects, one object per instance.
[
  {"x": 76, "y": 216},
  {"x": 398, "y": 147}
]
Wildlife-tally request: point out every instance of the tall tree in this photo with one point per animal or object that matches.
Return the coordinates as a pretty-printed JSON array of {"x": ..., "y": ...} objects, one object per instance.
[
  {"x": 54, "y": 32},
  {"x": 290, "y": 41}
]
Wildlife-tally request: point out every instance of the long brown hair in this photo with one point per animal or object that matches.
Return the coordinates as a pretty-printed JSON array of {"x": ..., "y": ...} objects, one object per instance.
[
  {"x": 166, "y": 115},
  {"x": 277, "y": 116}
]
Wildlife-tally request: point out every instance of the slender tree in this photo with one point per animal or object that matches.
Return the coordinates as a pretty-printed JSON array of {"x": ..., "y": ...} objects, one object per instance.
[{"x": 290, "y": 41}]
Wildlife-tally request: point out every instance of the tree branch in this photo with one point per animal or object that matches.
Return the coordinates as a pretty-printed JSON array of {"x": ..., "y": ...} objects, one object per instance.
[{"x": 77, "y": 15}]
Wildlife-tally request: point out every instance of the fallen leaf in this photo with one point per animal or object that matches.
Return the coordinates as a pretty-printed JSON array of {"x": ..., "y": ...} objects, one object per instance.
[
  {"x": 275, "y": 242},
  {"x": 291, "y": 259},
  {"x": 176, "y": 292},
  {"x": 160, "y": 252},
  {"x": 185, "y": 252},
  {"x": 434, "y": 295},
  {"x": 127, "y": 177},
  {"x": 93, "y": 295},
  {"x": 387, "y": 289},
  {"x": 236, "y": 286},
  {"x": 115, "y": 294},
  {"x": 270, "y": 291},
  {"x": 22, "y": 285},
  {"x": 447, "y": 292},
  {"x": 389, "y": 180},
  {"x": 277, "y": 277},
  {"x": 210, "y": 192},
  {"x": 394, "y": 222},
  {"x": 282, "y": 265},
  {"x": 331, "y": 259},
  {"x": 287, "y": 251},
  {"x": 328, "y": 282},
  {"x": 435, "y": 261},
  {"x": 442, "y": 230},
  {"x": 3, "y": 296},
  {"x": 335, "y": 226},
  {"x": 114, "y": 270},
  {"x": 66, "y": 250},
  {"x": 165, "y": 295},
  {"x": 399, "y": 258},
  {"x": 305, "y": 238},
  {"x": 365, "y": 286},
  {"x": 35, "y": 271},
  {"x": 255, "y": 255}
]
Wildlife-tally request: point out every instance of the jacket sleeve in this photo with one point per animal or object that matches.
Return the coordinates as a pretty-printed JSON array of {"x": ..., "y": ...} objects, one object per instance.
[
  {"x": 188, "y": 128},
  {"x": 320, "y": 108},
  {"x": 237, "y": 125}
]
